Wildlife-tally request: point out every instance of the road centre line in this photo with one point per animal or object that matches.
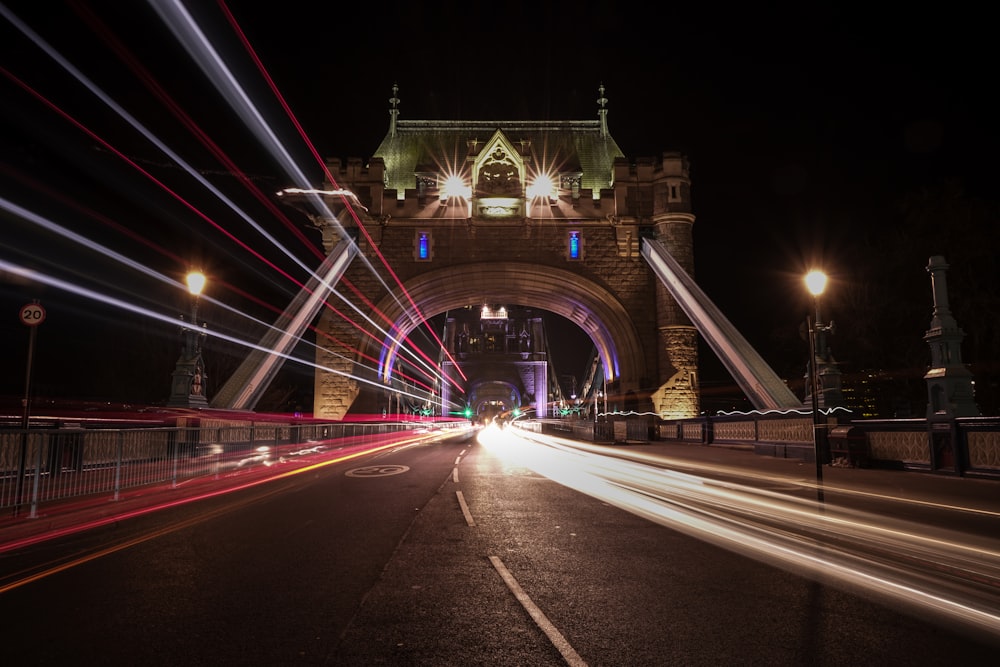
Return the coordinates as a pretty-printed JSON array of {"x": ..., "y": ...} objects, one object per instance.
[{"x": 571, "y": 657}]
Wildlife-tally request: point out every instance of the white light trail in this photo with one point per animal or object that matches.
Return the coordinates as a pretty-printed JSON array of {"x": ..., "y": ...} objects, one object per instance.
[
  {"x": 199, "y": 47},
  {"x": 79, "y": 290},
  {"x": 946, "y": 574},
  {"x": 193, "y": 39}
]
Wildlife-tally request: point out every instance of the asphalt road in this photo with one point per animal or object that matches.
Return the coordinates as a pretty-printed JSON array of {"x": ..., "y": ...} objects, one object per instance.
[{"x": 452, "y": 554}]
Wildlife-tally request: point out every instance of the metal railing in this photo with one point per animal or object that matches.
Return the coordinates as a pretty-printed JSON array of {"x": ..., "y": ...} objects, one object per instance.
[{"x": 43, "y": 465}]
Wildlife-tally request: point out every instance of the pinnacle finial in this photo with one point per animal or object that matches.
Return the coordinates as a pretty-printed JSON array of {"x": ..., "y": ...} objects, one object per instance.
[
  {"x": 602, "y": 111},
  {"x": 394, "y": 111}
]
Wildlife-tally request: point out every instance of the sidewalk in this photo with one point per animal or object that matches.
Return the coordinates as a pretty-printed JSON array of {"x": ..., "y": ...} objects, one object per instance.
[{"x": 72, "y": 515}]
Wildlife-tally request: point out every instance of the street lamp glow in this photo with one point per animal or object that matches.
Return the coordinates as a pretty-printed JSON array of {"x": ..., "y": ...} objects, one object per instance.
[
  {"x": 196, "y": 282},
  {"x": 188, "y": 379},
  {"x": 816, "y": 282}
]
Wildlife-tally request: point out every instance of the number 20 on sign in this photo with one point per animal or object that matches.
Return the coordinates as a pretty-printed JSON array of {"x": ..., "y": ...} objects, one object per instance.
[{"x": 32, "y": 314}]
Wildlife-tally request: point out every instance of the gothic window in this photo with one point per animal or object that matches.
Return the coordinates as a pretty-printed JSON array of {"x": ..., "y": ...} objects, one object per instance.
[{"x": 499, "y": 175}]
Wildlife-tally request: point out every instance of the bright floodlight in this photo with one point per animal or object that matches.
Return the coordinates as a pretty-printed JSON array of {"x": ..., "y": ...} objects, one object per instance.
[
  {"x": 196, "y": 282},
  {"x": 816, "y": 282},
  {"x": 454, "y": 187},
  {"x": 543, "y": 186}
]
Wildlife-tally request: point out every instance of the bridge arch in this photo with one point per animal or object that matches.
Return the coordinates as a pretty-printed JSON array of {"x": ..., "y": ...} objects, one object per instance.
[
  {"x": 596, "y": 310},
  {"x": 571, "y": 248}
]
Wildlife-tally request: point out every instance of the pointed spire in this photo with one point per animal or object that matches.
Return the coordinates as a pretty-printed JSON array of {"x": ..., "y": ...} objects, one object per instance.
[
  {"x": 394, "y": 111},
  {"x": 603, "y": 112}
]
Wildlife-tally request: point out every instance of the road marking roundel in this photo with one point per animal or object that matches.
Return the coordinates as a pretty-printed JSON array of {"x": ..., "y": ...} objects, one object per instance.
[{"x": 376, "y": 471}]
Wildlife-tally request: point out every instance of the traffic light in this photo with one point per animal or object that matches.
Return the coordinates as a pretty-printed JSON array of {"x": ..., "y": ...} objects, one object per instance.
[{"x": 467, "y": 412}]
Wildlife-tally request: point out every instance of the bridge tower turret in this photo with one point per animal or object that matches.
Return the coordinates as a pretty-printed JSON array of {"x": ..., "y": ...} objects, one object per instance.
[{"x": 673, "y": 223}]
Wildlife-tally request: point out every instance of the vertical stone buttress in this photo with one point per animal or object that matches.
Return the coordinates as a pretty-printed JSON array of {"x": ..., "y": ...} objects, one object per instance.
[
  {"x": 337, "y": 339},
  {"x": 334, "y": 390},
  {"x": 673, "y": 224}
]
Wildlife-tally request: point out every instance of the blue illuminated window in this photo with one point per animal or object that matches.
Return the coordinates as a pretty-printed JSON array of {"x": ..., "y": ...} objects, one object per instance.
[
  {"x": 423, "y": 246},
  {"x": 574, "y": 245}
]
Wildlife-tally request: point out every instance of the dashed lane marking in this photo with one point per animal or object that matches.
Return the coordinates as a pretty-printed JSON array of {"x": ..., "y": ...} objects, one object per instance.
[
  {"x": 571, "y": 657},
  {"x": 465, "y": 509}
]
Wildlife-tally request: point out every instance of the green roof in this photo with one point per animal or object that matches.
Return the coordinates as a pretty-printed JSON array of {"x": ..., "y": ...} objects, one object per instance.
[{"x": 434, "y": 146}]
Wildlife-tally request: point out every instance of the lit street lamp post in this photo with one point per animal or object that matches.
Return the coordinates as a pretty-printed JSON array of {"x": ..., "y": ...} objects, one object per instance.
[
  {"x": 188, "y": 386},
  {"x": 815, "y": 283}
]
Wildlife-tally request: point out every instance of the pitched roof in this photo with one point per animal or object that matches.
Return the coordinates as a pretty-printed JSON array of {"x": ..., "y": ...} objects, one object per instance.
[{"x": 577, "y": 147}]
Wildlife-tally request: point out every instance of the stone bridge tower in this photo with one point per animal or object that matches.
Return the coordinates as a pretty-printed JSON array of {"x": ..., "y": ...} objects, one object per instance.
[{"x": 547, "y": 215}]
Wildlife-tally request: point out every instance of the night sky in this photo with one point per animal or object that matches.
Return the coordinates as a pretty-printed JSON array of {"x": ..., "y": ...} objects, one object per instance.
[{"x": 808, "y": 128}]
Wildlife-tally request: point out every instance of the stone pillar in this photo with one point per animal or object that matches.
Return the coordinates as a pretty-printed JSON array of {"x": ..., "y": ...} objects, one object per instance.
[
  {"x": 949, "y": 382},
  {"x": 334, "y": 392},
  {"x": 673, "y": 221}
]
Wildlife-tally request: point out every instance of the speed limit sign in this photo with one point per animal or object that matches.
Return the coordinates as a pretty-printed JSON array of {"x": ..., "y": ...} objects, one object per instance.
[{"x": 32, "y": 314}]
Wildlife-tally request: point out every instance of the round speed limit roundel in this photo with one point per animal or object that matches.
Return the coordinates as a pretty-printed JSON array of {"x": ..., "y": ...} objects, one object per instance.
[
  {"x": 32, "y": 314},
  {"x": 377, "y": 471}
]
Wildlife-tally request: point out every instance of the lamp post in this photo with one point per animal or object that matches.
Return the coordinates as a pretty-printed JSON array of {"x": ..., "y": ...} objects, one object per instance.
[
  {"x": 188, "y": 386},
  {"x": 815, "y": 283}
]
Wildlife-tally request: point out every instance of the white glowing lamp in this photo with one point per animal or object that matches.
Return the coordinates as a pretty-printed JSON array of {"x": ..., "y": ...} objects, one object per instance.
[
  {"x": 196, "y": 282},
  {"x": 816, "y": 282}
]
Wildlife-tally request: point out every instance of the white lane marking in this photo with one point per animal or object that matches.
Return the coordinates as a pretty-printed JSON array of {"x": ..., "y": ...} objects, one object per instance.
[
  {"x": 454, "y": 475},
  {"x": 458, "y": 459},
  {"x": 569, "y": 655},
  {"x": 465, "y": 509}
]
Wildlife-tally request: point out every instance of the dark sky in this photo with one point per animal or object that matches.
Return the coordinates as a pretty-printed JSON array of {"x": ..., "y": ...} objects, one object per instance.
[{"x": 803, "y": 125}]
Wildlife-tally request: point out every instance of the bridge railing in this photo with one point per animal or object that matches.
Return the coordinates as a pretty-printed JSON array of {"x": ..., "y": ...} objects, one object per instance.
[
  {"x": 43, "y": 465},
  {"x": 967, "y": 446}
]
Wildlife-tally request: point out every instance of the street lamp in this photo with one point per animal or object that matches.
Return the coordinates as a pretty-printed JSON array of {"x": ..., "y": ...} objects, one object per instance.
[
  {"x": 188, "y": 386},
  {"x": 815, "y": 283}
]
